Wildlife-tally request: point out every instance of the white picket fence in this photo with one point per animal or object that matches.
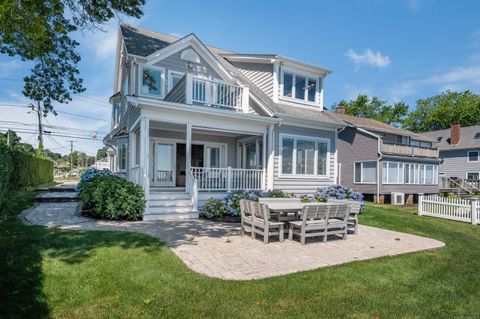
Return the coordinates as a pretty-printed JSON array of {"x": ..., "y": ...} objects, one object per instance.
[{"x": 463, "y": 210}]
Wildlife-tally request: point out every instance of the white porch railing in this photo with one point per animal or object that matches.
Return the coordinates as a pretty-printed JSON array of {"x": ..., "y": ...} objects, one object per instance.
[
  {"x": 463, "y": 210},
  {"x": 215, "y": 93},
  {"x": 135, "y": 175},
  {"x": 227, "y": 179}
]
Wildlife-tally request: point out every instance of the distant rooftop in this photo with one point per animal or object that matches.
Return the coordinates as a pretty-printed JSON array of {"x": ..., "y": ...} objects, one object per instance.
[{"x": 469, "y": 138}]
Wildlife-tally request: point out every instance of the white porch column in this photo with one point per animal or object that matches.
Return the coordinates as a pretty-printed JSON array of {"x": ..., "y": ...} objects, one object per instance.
[
  {"x": 264, "y": 160},
  {"x": 245, "y": 99},
  {"x": 270, "y": 163},
  {"x": 188, "y": 153},
  {"x": 145, "y": 159}
]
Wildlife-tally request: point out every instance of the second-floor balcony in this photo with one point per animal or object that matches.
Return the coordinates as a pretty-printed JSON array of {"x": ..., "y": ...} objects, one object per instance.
[
  {"x": 200, "y": 91},
  {"x": 408, "y": 150}
]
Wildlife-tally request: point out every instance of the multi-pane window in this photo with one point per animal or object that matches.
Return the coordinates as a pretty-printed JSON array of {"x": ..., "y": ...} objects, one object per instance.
[
  {"x": 174, "y": 78},
  {"x": 304, "y": 156},
  {"x": 473, "y": 176},
  {"x": 392, "y": 173},
  {"x": 151, "y": 81},
  {"x": 412, "y": 173},
  {"x": 299, "y": 86},
  {"x": 122, "y": 147},
  {"x": 366, "y": 172}
]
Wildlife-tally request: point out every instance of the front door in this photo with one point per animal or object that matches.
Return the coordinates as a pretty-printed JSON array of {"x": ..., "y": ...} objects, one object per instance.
[{"x": 164, "y": 164}]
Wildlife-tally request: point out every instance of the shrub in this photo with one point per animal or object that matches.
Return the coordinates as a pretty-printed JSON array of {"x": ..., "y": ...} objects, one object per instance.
[
  {"x": 230, "y": 205},
  {"x": 336, "y": 191},
  {"x": 90, "y": 174},
  {"x": 112, "y": 197},
  {"x": 18, "y": 170}
]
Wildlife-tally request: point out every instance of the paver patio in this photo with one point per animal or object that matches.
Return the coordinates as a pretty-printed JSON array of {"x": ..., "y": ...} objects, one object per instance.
[{"x": 217, "y": 250}]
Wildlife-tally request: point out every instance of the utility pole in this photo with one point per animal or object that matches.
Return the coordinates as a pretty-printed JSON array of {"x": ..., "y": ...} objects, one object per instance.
[{"x": 71, "y": 156}]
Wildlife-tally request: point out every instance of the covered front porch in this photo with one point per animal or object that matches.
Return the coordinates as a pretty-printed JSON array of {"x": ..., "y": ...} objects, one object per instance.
[{"x": 195, "y": 161}]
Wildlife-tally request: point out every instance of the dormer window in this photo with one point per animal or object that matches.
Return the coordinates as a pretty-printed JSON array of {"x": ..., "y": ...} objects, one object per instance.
[
  {"x": 299, "y": 86},
  {"x": 152, "y": 81}
]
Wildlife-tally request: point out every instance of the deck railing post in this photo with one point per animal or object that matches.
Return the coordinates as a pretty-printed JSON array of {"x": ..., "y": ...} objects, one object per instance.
[
  {"x": 420, "y": 203},
  {"x": 229, "y": 179},
  {"x": 473, "y": 211}
]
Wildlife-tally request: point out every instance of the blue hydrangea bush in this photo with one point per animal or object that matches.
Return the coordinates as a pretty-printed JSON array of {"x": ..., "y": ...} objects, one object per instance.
[
  {"x": 90, "y": 174},
  {"x": 336, "y": 191},
  {"x": 230, "y": 205}
]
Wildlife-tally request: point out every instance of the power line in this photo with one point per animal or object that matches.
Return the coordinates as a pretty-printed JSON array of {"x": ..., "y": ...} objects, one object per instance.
[
  {"x": 64, "y": 112},
  {"x": 56, "y": 127},
  {"x": 4, "y": 130}
]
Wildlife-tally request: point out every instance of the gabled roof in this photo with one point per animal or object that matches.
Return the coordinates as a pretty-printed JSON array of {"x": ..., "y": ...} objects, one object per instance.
[
  {"x": 374, "y": 125},
  {"x": 469, "y": 138},
  {"x": 142, "y": 42}
]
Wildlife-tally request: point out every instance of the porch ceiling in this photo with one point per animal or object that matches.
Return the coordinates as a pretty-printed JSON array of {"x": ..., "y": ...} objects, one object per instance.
[{"x": 175, "y": 127}]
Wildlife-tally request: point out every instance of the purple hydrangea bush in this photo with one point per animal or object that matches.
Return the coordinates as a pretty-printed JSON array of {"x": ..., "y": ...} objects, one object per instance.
[
  {"x": 335, "y": 191},
  {"x": 230, "y": 205}
]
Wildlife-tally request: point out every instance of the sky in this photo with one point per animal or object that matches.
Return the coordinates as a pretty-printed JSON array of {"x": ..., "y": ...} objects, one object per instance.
[{"x": 398, "y": 50}]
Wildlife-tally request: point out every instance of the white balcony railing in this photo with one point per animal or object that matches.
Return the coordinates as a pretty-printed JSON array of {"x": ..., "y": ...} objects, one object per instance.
[
  {"x": 227, "y": 179},
  {"x": 408, "y": 150},
  {"x": 215, "y": 93}
]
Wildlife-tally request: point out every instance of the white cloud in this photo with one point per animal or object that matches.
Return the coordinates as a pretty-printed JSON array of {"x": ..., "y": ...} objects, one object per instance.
[
  {"x": 103, "y": 43},
  {"x": 459, "y": 79},
  {"x": 368, "y": 57}
]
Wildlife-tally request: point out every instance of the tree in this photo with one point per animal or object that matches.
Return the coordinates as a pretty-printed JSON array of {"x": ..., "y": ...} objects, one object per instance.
[
  {"x": 102, "y": 153},
  {"x": 40, "y": 31},
  {"x": 441, "y": 111},
  {"x": 375, "y": 108}
]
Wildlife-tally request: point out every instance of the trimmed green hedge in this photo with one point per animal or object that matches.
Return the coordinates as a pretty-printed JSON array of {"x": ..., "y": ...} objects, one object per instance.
[{"x": 18, "y": 170}]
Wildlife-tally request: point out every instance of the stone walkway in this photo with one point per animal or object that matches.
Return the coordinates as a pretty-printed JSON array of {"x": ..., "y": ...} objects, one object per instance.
[{"x": 217, "y": 249}]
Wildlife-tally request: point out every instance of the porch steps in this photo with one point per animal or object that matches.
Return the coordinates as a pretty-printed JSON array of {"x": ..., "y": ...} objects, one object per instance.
[{"x": 170, "y": 205}]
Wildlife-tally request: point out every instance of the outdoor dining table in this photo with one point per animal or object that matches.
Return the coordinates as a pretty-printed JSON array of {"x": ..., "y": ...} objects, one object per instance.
[{"x": 281, "y": 207}]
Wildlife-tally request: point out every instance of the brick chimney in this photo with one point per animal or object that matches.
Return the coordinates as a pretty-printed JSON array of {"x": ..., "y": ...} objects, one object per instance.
[
  {"x": 455, "y": 134},
  {"x": 340, "y": 109}
]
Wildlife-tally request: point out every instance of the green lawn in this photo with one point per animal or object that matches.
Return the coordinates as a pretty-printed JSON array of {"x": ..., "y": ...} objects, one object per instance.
[{"x": 72, "y": 274}]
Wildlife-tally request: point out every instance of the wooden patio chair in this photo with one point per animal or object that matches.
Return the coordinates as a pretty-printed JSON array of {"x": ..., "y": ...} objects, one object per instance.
[
  {"x": 246, "y": 217},
  {"x": 337, "y": 220},
  {"x": 355, "y": 207},
  {"x": 261, "y": 223},
  {"x": 314, "y": 223}
]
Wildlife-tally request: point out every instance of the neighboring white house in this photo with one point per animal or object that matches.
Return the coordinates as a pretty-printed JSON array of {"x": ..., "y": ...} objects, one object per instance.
[{"x": 191, "y": 121}]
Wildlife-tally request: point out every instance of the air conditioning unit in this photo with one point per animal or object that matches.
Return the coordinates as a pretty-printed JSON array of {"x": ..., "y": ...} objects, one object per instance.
[{"x": 398, "y": 198}]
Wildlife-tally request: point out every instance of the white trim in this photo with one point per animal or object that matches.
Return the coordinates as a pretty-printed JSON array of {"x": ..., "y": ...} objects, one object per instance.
[
  {"x": 307, "y": 76},
  {"x": 170, "y": 78},
  {"x": 275, "y": 91},
  {"x": 401, "y": 175},
  {"x": 316, "y": 140},
  {"x": 140, "y": 81},
  {"x": 478, "y": 156},
  {"x": 198, "y": 46},
  {"x": 472, "y": 172},
  {"x": 361, "y": 172}
]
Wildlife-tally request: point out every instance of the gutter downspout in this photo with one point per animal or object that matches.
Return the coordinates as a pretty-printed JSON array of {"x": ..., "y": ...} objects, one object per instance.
[
  {"x": 380, "y": 155},
  {"x": 339, "y": 166}
]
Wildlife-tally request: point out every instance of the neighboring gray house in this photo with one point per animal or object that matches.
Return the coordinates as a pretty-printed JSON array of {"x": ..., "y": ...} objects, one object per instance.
[
  {"x": 191, "y": 121},
  {"x": 459, "y": 151},
  {"x": 379, "y": 159}
]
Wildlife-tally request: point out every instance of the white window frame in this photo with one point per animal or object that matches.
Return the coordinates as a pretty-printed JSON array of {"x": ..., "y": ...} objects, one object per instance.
[
  {"x": 170, "y": 78},
  {"x": 361, "y": 172},
  {"x": 478, "y": 156},
  {"x": 120, "y": 142},
  {"x": 294, "y": 174},
  {"x": 416, "y": 174},
  {"x": 162, "y": 78},
  {"x": 307, "y": 76},
  {"x": 401, "y": 174},
  {"x": 472, "y": 172}
]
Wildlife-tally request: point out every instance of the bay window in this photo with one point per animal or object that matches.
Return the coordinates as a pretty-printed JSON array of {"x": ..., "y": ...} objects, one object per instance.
[
  {"x": 300, "y": 87},
  {"x": 152, "y": 81},
  {"x": 304, "y": 156},
  {"x": 366, "y": 172},
  {"x": 392, "y": 173}
]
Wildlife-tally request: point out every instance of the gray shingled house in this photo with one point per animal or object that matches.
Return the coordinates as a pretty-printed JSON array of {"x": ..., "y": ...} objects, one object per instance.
[
  {"x": 459, "y": 151},
  {"x": 191, "y": 121},
  {"x": 386, "y": 163}
]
